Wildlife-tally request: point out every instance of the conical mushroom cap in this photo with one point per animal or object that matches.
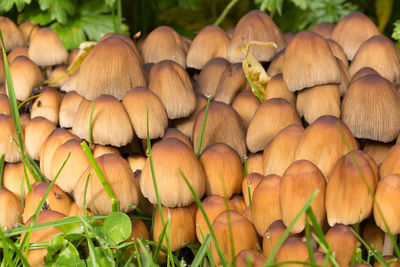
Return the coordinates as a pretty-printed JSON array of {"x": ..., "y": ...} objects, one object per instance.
[
  {"x": 11, "y": 34},
  {"x": 371, "y": 109},
  {"x": 293, "y": 249},
  {"x": 271, "y": 116},
  {"x": 249, "y": 184},
  {"x": 377, "y": 150},
  {"x": 256, "y": 26},
  {"x": 277, "y": 88},
  {"x": 232, "y": 81},
  {"x": 391, "y": 163},
  {"x": 120, "y": 177},
  {"x": 275, "y": 67},
  {"x": 322, "y": 143},
  {"x": 309, "y": 61},
  {"x": 246, "y": 105},
  {"x": 223, "y": 125},
  {"x": 169, "y": 155},
  {"x": 14, "y": 179},
  {"x": 210, "y": 75},
  {"x": 46, "y": 48},
  {"x": 164, "y": 43},
  {"x": 338, "y": 52},
  {"x": 36, "y": 132},
  {"x": 26, "y": 76},
  {"x": 298, "y": 183},
  {"x": 380, "y": 54},
  {"x": 250, "y": 255},
  {"x": 363, "y": 72},
  {"x": 202, "y": 50},
  {"x": 324, "y": 29},
  {"x": 28, "y": 30},
  {"x": 47, "y": 105},
  {"x": 16, "y": 52},
  {"x": 352, "y": 31},
  {"x": 7, "y": 144},
  {"x": 68, "y": 108},
  {"x": 280, "y": 152},
  {"x": 11, "y": 210},
  {"x": 171, "y": 83},
  {"x": 136, "y": 102},
  {"x": 110, "y": 122},
  {"x": 112, "y": 67},
  {"x": 348, "y": 200},
  {"x": 317, "y": 101},
  {"x": 5, "y": 107}
]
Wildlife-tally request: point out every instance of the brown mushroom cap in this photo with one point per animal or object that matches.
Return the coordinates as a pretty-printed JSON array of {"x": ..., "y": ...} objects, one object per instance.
[
  {"x": 250, "y": 255},
  {"x": 210, "y": 75},
  {"x": 10, "y": 210},
  {"x": 28, "y": 30},
  {"x": 293, "y": 249},
  {"x": 47, "y": 105},
  {"x": 68, "y": 108},
  {"x": 7, "y": 137},
  {"x": 324, "y": 29},
  {"x": 16, "y": 52},
  {"x": 11, "y": 34},
  {"x": 246, "y": 105},
  {"x": 277, "y": 88},
  {"x": 14, "y": 179},
  {"x": 46, "y": 48},
  {"x": 231, "y": 82},
  {"x": 36, "y": 132}
]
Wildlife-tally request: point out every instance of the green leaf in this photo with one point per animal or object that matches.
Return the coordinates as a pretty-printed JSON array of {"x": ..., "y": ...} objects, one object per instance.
[
  {"x": 69, "y": 6},
  {"x": 71, "y": 34},
  {"x": 72, "y": 228},
  {"x": 58, "y": 12},
  {"x": 69, "y": 256},
  {"x": 36, "y": 16},
  {"x": 56, "y": 243},
  {"x": 6, "y": 5},
  {"x": 301, "y": 3},
  {"x": 95, "y": 26},
  {"x": 45, "y": 4},
  {"x": 396, "y": 30},
  {"x": 118, "y": 226},
  {"x": 383, "y": 12},
  {"x": 110, "y": 3}
]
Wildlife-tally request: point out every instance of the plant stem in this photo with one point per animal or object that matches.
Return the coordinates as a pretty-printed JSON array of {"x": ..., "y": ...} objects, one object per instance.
[
  {"x": 221, "y": 17},
  {"x": 102, "y": 178},
  {"x": 119, "y": 17},
  {"x": 255, "y": 89},
  {"x": 203, "y": 127}
]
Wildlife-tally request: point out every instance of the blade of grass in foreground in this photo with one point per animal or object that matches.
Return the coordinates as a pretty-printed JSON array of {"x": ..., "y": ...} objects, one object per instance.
[
  {"x": 1, "y": 168},
  {"x": 254, "y": 87},
  {"x": 203, "y": 127},
  {"x": 202, "y": 251},
  {"x": 200, "y": 205},
  {"x": 6, "y": 240}
]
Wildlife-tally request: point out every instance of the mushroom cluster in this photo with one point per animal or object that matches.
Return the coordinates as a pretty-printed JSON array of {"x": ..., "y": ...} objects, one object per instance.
[{"x": 328, "y": 122}]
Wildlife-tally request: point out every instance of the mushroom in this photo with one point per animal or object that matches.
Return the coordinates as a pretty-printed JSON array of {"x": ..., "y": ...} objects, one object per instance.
[
  {"x": 324, "y": 29},
  {"x": 47, "y": 105},
  {"x": 249, "y": 185},
  {"x": 14, "y": 179},
  {"x": 7, "y": 137},
  {"x": 16, "y": 52},
  {"x": 276, "y": 88},
  {"x": 210, "y": 75},
  {"x": 10, "y": 210},
  {"x": 11, "y": 34},
  {"x": 292, "y": 249},
  {"x": 68, "y": 108},
  {"x": 246, "y": 105},
  {"x": 252, "y": 256},
  {"x": 36, "y": 132}
]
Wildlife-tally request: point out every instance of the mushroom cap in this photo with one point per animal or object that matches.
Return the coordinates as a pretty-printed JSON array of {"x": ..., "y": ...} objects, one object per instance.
[
  {"x": 36, "y": 132},
  {"x": 249, "y": 184},
  {"x": 68, "y": 108},
  {"x": 10, "y": 210},
  {"x": 246, "y": 105},
  {"x": 210, "y": 75},
  {"x": 272, "y": 236},
  {"x": 391, "y": 163},
  {"x": 14, "y": 179},
  {"x": 7, "y": 135},
  {"x": 17, "y": 51},
  {"x": 371, "y": 109},
  {"x": 338, "y": 52},
  {"x": 324, "y": 29},
  {"x": 46, "y": 48},
  {"x": 169, "y": 155},
  {"x": 292, "y": 249},
  {"x": 112, "y": 67},
  {"x": 11, "y": 34},
  {"x": 352, "y": 31},
  {"x": 309, "y": 61},
  {"x": 47, "y": 105},
  {"x": 250, "y": 255},
  {"x": 256, "y": 26},
  {"x": 171, "y": 83},
  {"x": 120, "y": 178},
  {"x": 28, "y": 30},
  {"x": 277, "y": 88},
  {"x": 232, "y": 81},
  {"x": 202, "y": 50},
  {"x": 110, "y": 121}
]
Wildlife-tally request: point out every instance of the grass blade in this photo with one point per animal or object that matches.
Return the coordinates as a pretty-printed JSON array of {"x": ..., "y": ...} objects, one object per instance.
[
  {"x": 102, "y": 178},
  {"x": 254, "y": 87},
  {"x": 34, "y": 169},
  {"x": 308, "y": 242},
  {"x": 159, "y": 243},
  {"x": 91, "y": 125},
  {"x": 202, "y": 251},
  {"x": 6, "y": 240},
  {"x": 203, "y": 127},
  {"x": 378, "y": 256},
  {"x": 1, "y": 168}
]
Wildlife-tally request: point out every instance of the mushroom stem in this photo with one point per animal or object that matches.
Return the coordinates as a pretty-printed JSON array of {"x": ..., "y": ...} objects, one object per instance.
[{"x": 388, "y": 247}]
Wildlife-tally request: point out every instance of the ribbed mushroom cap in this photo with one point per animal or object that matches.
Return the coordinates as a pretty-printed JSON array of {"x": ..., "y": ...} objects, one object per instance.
[
  {"x": 213, "y": 206},
  {"x": 314, "y": 102},
  {"x": 56, "y": 200},
  {"x": 139, "y": 232},
  {"x": 276, "y": 64},
  {"x": 265, "y": 207},
  {"x": 387, "y": 197},
  {"x": 391, "y": 163},
  {"x": 202, "y": 50},
  {"x": 73, "y": 168},
  {"x": 338, "y": 52},
  {"x": 11, "y": 34},
  {"x": 243, "y": 232},
  {"x": 271, "y": 116},
  {"x": 280, "y": 152},
  {"x": 249, "y": 184},
  {"x": 256, "y": 26},
  {"x": 26, "y": 76},
  {"x": 36, "y": 132},
  {"x": 322, "y": 143},
  {"x": 175, "y": 133},
  {"x": 301, "y": 179},
  {"x": 272, "y": 236},
  {"x": 112, "y": 67},
  {"x": 380, "y": 54},
  {"x": 210, "y": 75},
  {"x": 100, "y": 150},
  {"x": 58, "y": 137},
  {"x": 352, "y": 31},
  {"x": 293, "y": 249},
  {"x": 59, "y": 70},
  {"x": 7, "y": 134},
  {"x": 250, "y": 255},
  {"x": 14, "y": 178},
  {"x": 120, "y": 177},
  {"x": 28, "y": 30},
  {"x": 24, "y": 118},
  {"x": 75, "y": 211},
  {"x": 363, "y": 72},
  {"x": 164, "y": 43},
  {"x": 371, "y": 109},
  {"x": 185, "y": 125},
  {"x": 277, "y": 88},
  {"x": 16, "y": 52},
  {"x": 345, "y": 78},
  {"x": 223, "y": 170},
  {"x": 36, "y": 257},
  {"x": 110, "y": 122},
  {"x": 171, "y": 83},
  {"x": 182, "y": 225},
  {"x": 169, "y": 155},
  {"x": 324, "y": 29},
  {"x": 255, "y": 163},
  {"x": 10, "y": 210},
  {"x": 72, "y": 55},
  {"x": 46, "y": 48},
  {"x": 309, "y": 61},
  {"x": 342, "y": 242},
  {"x": 372, "y": 234},
  {"x": 246, "y": 104},
  {"x": 47, "y": 105},
  {"x": 136, "y": 102},
  {"x": 223, "y": 125},
  {"x": 5, "y": 105},
  {"x": 238, "y": 203},
  {"x": 377, "y": 150},
  {"x": 231, "y": 82},
  {"x": 68, "y": 108},
  {"x": 348, "y": 200}
]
